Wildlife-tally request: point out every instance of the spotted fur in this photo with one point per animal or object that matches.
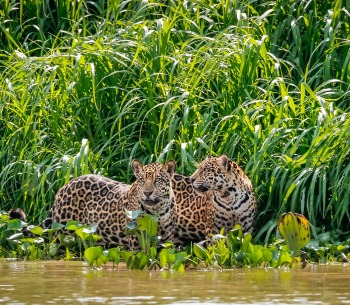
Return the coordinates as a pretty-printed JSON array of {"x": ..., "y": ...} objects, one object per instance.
[
  {"x": 93, "y": 199},
  {"x": 231, "y": 192},
  {"x": 194, "y": 212}
]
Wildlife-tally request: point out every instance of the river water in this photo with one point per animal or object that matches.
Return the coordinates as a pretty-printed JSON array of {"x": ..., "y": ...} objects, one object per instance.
[{"x": 56, "y": 282}]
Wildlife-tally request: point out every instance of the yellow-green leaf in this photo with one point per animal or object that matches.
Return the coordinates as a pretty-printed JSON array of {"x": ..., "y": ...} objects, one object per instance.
[{"x": 295, "y": 230}]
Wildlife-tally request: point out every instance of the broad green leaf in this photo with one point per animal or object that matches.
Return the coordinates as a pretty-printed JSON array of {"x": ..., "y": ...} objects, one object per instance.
[
  {"x": 153, "y": 252},
  {"x": 114, "y": 255},
  {"x": 73, "y": 225},
  {"x": 53, "y": 249},
  {"x": 295, "y": 230},
  {"x": 200, "y": 252},
  {"x": 147, "y": 223},
  {"x": 267, "y": 255},
  {"x": 324, "y": 237},
  {"x": 36, "y": 230},
  {"x": 240, "y": 256},
  {"x": 96, "y": 237},
  {"x": 284, "y": 258},
  {"x": 92, "y": 254},
  {"x": 163, "y": 258},
  {"x": 127, "y": 257},
  {"x": 26, "y": 246},
  {"x": 81, "y": 233},
  {"x": 143, "y": 260},
  {"x": 101, "y": 260},
  {"x": 178, "y": 266},
  {"x": 14, "y": 224},
  {"x": 246, "y": 245},
  {"x": 56, "y": 225},
  {"x": 28, "y": 239}
]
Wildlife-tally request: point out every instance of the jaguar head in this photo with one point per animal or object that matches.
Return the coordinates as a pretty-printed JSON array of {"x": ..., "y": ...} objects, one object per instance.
[
  {"x": 154, "y": 181},
  {"x": 214, "y": 173}
]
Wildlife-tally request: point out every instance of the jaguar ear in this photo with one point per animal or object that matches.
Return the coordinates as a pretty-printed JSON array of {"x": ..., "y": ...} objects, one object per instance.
[
  {"x": 17, "y": 214},
  {"x": 170, "y": 167},
  {"x": 225, "y": 162},
  {"x": 136, "y": 167}
]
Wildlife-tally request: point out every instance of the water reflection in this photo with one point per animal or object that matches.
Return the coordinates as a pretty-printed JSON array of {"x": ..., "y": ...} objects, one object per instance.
[{"x": 75, "y": 283}]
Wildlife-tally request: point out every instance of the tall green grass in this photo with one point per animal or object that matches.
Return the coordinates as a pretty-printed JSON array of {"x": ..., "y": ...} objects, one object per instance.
[{"x": 98, "y": 84}]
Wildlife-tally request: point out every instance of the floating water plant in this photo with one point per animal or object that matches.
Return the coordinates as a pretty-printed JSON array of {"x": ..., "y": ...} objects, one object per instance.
[
  {"x": 170, "y": 259},
  {"x": 114, "y": 256},
  {"x": 233, "y": 249},
  {"x": 93, "y": 256},
  {"x": 144, "y": 227}
]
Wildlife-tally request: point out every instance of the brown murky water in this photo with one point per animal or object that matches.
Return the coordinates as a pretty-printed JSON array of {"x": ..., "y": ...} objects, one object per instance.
[{"x": 75, "y": 283}]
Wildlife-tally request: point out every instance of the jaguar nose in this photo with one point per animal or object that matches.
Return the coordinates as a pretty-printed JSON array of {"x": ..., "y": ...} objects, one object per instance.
[{"x": 148, "y": 193}]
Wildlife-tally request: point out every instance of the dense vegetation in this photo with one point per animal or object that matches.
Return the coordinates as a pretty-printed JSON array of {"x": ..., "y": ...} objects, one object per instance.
[
  {"x": 87, "y": 86},
  {"x": 231, "y": 250}
]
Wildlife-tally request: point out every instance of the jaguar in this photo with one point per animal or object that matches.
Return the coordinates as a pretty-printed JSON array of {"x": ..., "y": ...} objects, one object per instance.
[
  {"x": 94, "y": 199},
  {"x": 230, "y": 191}
]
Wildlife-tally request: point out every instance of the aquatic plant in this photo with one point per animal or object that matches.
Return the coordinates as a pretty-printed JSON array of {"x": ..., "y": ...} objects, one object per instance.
[
  {"x": 114, "y": 255},
  {"x": 144, "y": 226},
  {"x": 20, "y": 240},
  {"x": 96, "y": 256},
  {"x": 170, "y": 259},
  {"x": 231, "y": 250},
  {"x": 326, "y": 248}
]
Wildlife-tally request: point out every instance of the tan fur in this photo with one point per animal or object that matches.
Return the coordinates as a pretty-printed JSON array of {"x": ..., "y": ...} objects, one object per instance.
[
  {"x": 194, "y": 212},
  {"x": 230, "y": 190},
  {"x": 93, "y": 199}
]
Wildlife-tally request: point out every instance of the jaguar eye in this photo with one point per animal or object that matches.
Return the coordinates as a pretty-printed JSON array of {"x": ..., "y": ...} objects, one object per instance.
[
  {"x": 158, "y": 180},
  {"x": 204, "y": 170},
  {"x": 141, "y": 181}
]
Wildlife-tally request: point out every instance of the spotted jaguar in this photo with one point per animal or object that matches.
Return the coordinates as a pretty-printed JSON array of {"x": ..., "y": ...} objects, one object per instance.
[
  {"x": 217, "y": 195},
  {"x": 230, "y": 190},
  {"x": 94, "y": 199}
]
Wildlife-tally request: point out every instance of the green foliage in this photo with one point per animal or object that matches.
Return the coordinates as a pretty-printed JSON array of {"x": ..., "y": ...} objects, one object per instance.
[
  {"x": 144, "y": 227},
  {"x": 114, "y": 255},
  {"x": 96, "y": 256},
  {"x": 135, "y": 260},
  {"x": 88, "y": 86},
  {"x": 230, "y": 251},
  {"x": 92, "y": 254},
  {"x": 233, "y": 250},
  {"x": 237, "y": 250},
  {"x": 23, "y": 241},
  {"x": 325, "y": 248},
  {"x": 169, "y": 259}
]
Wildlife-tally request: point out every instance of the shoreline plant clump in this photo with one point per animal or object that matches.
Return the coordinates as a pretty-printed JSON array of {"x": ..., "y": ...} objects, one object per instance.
[
  {"x": 226, "y": 250},
  {"x": 85, "y": 87}
]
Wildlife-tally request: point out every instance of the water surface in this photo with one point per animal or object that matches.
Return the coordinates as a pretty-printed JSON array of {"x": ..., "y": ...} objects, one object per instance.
[{"x": 55, "y": 282}]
